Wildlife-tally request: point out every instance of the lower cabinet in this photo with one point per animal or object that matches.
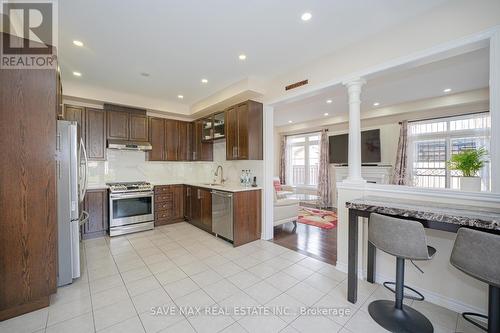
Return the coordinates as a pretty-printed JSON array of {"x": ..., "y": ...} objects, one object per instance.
[
  {"x": 169, "y": 204},
  {"x": 96, "y": 204},
  {"x": 199, "y": 207},
  {"x": 247, "y": 218}
]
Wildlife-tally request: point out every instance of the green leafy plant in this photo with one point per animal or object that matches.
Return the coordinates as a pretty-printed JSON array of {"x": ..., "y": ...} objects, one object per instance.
[{"x": 468, "y": 161}]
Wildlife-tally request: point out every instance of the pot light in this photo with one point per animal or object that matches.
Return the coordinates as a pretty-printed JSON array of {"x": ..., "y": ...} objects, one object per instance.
[
  {"x": 204, "y": 81},
  {"x": 77, "y": 74},
  {"x": 180, "y": 96},
  {"x": 376, "y": 104},
  {"x": 447, "y": 90},
  {"x": 306, "y": 16},
  {"x": 78, "y": 43},
  {"x": 145, "y": 74},
  {"x": 325, "y": 114},
  {"x": 242, "y": 57},
  {"x": 290, "y": 121},
  {"x": 329, "y": 101}
]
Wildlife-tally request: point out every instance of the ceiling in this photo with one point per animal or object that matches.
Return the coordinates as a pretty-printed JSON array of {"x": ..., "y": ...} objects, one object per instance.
[
  {"x": 180, "y": 42},
  {"x": 465, "y": 72}
]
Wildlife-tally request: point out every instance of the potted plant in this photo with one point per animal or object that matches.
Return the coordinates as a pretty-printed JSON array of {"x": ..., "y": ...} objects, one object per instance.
[{"x": 469, "y": 162}]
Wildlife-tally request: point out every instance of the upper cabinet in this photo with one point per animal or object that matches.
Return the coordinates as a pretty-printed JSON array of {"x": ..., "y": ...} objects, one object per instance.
[
  {"x": 92, "y": 129},
  {"x": 243, "y": 131},
  {"x": 126, "y": 123},
  {"x": 202, "y": 150},
  {"x": 170, "y": 139}
]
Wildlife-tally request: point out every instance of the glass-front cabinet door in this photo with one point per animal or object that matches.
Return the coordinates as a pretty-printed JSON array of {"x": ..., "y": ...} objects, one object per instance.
[
  {"x": 207, "y": 133},
  {"x": 219, "y": 132}
]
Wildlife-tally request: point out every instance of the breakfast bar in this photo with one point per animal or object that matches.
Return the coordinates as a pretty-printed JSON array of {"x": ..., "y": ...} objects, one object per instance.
[{"x": 433, "y": 215}]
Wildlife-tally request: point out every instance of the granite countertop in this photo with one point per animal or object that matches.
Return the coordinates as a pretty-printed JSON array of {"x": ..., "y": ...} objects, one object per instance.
[{"x": 474, "y": 216}]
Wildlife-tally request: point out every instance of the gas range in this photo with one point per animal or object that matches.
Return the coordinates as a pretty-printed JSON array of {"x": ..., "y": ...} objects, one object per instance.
[
  {"x": 131, "y": 207},
  {"x": 127, "y": 187}
]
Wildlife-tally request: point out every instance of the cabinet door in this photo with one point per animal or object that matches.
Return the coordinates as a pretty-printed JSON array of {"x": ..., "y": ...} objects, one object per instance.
[
  {"x": 242, "y": 131},
  {"x": 138, "y": 127},
  {"x": 118, "y": 124},
  {"x": 171, "y": 140},
  {"x": 231, "y": 134},
  {"x": 196, "y": 206},
  {"x": 206, "y": 209},
  {"x": 184, "y": 141},
  {"x": 178, "y": 202},
  {"x": 157, "y": 139},
  {"x": 95, "y": 134},
  {"x": 188, "y": 192},
  {"x": 96, "y": 204},
  {"x": 76, "y": 113}
]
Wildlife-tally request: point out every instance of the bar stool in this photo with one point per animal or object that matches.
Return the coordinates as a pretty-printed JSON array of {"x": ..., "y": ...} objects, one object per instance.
[
  {"x": 477, "y": 253},
  {"x": 403, "y": 239}
]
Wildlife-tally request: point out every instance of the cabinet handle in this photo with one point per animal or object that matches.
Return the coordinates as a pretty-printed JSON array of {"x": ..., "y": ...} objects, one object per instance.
[
  {"x": 234, "y": 152},
  {"x": 199, "y": 196}
]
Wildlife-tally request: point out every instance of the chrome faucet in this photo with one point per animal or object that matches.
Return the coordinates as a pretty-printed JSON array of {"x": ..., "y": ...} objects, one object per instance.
[{"x": 222, "y": 180}]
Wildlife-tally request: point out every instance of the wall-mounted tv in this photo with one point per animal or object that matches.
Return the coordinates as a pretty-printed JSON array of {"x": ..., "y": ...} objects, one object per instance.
[{"x": 370, "y": 147}]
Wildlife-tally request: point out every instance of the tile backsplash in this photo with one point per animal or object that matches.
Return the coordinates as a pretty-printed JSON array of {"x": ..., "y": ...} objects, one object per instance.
[{"x": 122, "y": 166}]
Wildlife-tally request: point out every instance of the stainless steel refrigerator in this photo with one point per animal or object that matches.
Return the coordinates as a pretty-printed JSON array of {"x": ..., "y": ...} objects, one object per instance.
[{"x": 71, "y": 164}]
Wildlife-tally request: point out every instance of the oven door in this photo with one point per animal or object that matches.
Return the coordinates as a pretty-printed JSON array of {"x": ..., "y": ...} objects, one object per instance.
[{"x": 130, "y": 208}]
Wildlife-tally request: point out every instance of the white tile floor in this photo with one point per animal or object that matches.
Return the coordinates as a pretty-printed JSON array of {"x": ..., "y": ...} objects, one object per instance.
[{"x": 179, "y": 265}]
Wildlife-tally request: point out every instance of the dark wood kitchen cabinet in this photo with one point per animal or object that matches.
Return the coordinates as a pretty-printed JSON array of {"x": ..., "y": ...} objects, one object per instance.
[
  {"x": 200, "y": 208},
  {"x": 170, "y": 139},
  {"x": 169, "y": 204},
  {"x": 202, "y": 149},
  {"x": 76, "y": 113},
  {"x": 96, "y": 205},
  {"x": 95, "y": 128},
  {"x": 124, "y": 123},
  {"x": 244, "y": 136},
  {"x": 247, "y": 211},
  {"x": 28, "y": 202}
]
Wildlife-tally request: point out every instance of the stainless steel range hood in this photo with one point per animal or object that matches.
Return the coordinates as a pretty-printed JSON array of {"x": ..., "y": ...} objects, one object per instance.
[{"x": 129, "y": 145}]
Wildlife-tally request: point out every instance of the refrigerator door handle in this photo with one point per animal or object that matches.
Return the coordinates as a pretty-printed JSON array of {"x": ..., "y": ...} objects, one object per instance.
[{"x": 85, "y": 170}]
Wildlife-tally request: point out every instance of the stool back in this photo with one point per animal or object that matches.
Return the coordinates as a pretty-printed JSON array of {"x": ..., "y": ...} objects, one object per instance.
[
  {"x": 398, "y": 237},
  {"x": 477, "y": 253}
]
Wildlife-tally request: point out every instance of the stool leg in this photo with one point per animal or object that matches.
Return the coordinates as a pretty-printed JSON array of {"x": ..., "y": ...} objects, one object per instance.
[
  {"x": 400, "y": 280},
  {"x": 493, "y": 309}
]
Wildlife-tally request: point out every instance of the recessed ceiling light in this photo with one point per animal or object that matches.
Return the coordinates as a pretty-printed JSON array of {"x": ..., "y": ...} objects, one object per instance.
[
  {"x": 77, "y": 74},
  {"x": 325, "y": 114},
  {"x": 78, "y": 43},
  {"x": 447, "y": 90},
  {"x": 180, "y": 96},
  {"x": 376, "y": 104},
  {"x": 204, "y": 81},
  {"x": 242, "y": 57},
  {"x": 306, "y": 16},
  {"x": 290, "y": 121},
  {"x": 329, "y": 101},
  {"x": 144, "y": 74}
]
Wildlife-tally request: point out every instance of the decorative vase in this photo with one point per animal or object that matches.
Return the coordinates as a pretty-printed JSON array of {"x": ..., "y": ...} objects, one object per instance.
[{"x": 470, "y": 184}]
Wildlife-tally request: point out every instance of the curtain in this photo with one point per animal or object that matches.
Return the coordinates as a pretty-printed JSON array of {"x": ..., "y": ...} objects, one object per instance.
[
  {"x": 283, "y": 160},
  {"x": 400, "y": 174},
  {"x": 324, "y": 171}
]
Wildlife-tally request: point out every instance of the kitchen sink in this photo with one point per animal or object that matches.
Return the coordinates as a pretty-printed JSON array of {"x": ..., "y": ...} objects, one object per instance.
[{"x": 212, "y": 184}]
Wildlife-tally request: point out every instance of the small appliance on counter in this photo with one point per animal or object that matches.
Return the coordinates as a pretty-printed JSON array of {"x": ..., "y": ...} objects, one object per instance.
[
  {"x": 71, "y": 163},
  {"x": 131, "y": 207}
]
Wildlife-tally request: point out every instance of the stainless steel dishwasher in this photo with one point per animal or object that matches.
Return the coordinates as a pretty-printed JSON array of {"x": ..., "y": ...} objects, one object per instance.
[{"x": 222, "y": 214}]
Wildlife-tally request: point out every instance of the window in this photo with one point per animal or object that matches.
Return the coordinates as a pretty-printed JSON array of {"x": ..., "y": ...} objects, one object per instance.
[
  {"x": 432, "y": 142},
  {"x": 302, "y": 162}
]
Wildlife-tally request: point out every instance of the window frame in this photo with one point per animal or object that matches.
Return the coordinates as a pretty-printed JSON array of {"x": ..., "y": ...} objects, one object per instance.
[{"x": 307, "y": 143}]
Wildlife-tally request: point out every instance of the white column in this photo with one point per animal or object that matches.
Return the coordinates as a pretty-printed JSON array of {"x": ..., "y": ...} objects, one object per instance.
[
  {"x": 354, "y": 159},
  {"x": 267, "y": 181},
  {"x": 495, "y": 111}
]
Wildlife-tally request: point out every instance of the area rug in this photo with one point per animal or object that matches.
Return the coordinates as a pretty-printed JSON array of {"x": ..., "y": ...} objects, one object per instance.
[{"x": 324, "y": 219}]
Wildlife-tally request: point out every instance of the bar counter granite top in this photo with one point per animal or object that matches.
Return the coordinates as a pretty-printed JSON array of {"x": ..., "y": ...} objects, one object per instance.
[{"x": 472, "y": 216}]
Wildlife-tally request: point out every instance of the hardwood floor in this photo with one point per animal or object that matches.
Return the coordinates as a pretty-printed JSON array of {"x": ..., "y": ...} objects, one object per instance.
[{"x": 308, "y": 240}]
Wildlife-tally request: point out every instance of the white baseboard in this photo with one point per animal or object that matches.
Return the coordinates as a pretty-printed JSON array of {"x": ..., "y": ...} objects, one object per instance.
[{"x": 430, "y": 296}]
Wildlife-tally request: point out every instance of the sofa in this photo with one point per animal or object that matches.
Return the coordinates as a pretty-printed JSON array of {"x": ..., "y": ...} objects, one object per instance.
[{"x": 285, "y": 210}]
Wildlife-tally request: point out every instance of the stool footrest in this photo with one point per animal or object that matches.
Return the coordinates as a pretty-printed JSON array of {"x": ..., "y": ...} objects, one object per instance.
[
  {"x": 466, "y": 316},
  {"x": 419, "y": 296}
]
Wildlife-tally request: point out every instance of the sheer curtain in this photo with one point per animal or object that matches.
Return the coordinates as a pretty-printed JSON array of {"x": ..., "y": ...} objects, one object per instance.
[
  {"x": 400, "y": 175},
  {"x": 283, "y": 158},
  {"x": 324, "y": 171}
]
